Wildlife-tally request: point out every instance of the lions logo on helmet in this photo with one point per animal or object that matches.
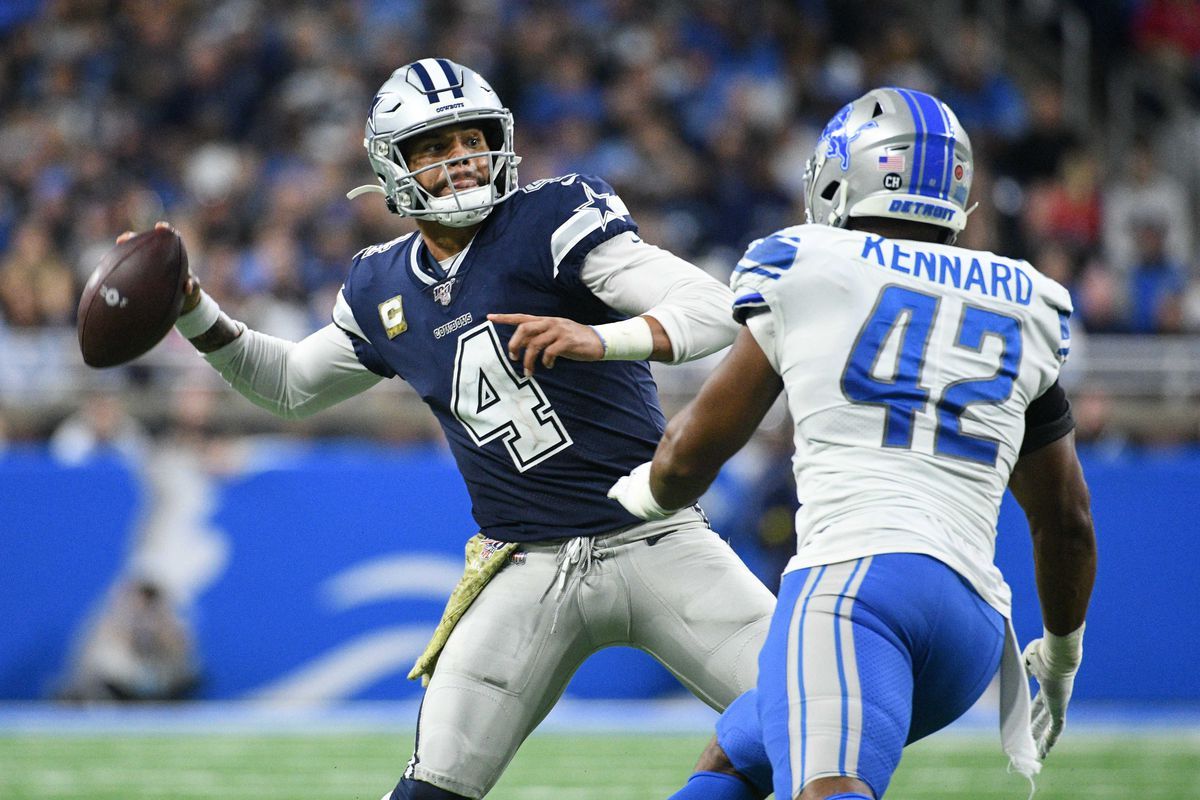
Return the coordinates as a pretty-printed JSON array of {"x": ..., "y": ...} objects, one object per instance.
[
  {"x": 895, "y": 153},
  {"x": 417, "y": 98}
]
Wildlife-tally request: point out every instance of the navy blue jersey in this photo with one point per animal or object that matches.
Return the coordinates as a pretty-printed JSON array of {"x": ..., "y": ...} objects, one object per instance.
[{"x": 537, "y": 454}]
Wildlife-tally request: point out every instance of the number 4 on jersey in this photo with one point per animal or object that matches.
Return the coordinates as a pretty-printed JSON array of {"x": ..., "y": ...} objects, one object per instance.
[
  {"x": 903, "y": 396},
  {"x": 493, "y": 402}
]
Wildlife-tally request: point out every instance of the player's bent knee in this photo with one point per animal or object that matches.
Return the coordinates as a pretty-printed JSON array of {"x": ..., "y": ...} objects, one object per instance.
[
  {"x": 408, "y": 789},
  {"x": 716, "y": 786},
  {"x": 713, "y": 759},
  {"x": 837, "y": 788}
]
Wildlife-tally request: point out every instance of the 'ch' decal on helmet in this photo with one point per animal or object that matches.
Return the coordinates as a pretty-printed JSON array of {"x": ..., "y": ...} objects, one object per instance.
[{"x": 911, "y": 137}]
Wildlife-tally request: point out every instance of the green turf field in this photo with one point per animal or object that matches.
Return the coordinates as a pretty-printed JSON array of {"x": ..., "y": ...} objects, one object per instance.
[{"x": 550, "y": 766}]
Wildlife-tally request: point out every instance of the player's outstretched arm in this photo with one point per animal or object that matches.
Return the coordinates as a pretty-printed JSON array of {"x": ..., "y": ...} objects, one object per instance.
[
  {"x": 292, "y": 380},
  {"x": 702, "y": 437},
  {"x": 207, "y": 332},
  {"x": 1049, "y": 485}
]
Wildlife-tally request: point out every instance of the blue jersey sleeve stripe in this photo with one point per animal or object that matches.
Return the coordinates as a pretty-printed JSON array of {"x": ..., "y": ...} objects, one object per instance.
[
  {"x": 773, "y": 251},
  {"x": 755, "y": 269},
  {"x": 748, "y": 305},
  {"x": 752, "y": 298},
  {"x": 1064, "y": 328}
]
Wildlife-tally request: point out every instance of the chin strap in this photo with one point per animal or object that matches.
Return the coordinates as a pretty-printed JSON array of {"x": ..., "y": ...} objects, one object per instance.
[
  {"x": 372, "y": 188},
  {"x": 837, "y": 211}
]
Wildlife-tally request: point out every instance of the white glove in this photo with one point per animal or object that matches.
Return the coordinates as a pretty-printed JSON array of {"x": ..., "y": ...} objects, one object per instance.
[
  {"x": 633, "y": 492},
  {"x": 1053, "y": 660}
]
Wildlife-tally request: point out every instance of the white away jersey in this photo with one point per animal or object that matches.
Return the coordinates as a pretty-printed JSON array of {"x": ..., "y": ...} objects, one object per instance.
[{"x": 908, "y": 368}]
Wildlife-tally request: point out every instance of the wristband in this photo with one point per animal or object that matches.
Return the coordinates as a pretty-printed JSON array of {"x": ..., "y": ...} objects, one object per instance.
[
  {"x": 627, "y": 340},
  {"x": 199, "y": 319},
  {"x": 1063, "y": 654}
]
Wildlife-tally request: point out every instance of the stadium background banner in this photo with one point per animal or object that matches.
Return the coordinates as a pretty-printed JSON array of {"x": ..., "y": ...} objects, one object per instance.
[{"x": 315, "y": 573}]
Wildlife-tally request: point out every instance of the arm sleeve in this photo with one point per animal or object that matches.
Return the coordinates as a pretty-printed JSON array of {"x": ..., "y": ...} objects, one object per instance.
[
  {"x": 1047, "y": 419},
  {"x": 637, "y": 278},
  {"x": 762, "y": 327},
  {"x": 293, "y": 380}
]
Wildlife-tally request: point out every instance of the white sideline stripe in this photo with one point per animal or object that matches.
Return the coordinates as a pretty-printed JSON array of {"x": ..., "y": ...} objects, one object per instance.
[
  {"x": 680, "y": 713},
  {"x": 389, "y": 578},
  {"x": 1099, "y": 722},
  {"x": 348, "y": 669}
]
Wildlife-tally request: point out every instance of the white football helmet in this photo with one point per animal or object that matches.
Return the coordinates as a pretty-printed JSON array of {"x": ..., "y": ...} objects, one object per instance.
[
  {"x": 427, "y": 94},
  {"x": 895, "y": 153}
]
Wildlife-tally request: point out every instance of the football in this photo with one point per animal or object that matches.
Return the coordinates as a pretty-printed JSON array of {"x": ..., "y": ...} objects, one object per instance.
[{"x": 132, "y": 298}]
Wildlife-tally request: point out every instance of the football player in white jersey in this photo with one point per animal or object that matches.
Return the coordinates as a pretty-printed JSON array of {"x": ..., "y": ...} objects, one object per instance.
[{"x": 922, "y": 379}]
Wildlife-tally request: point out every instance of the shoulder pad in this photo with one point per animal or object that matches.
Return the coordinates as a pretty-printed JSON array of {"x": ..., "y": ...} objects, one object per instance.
[
  {"x": 765, "y": 262},
  {"x": 383, "y": 247},
  {"x": 1056, "y": 295},
  {"x": 766, "y": 259},
  {"x": 1058, "y": 299},
  {"x": 587, "y": 211},
  {"x": 343, "y": 316}
]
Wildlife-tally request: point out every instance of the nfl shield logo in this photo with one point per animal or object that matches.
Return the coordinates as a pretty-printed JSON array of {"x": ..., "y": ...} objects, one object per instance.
[{"x": 441, "y": 292}]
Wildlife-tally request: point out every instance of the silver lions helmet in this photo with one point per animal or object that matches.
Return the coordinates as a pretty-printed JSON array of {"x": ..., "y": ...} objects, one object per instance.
[
  {"x": 895, "y": 153},
  {"x": 419, "y": 97}
]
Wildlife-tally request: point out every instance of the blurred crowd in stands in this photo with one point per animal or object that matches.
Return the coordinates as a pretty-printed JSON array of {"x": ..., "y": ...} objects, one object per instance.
[{"x": 241, "y": 121}]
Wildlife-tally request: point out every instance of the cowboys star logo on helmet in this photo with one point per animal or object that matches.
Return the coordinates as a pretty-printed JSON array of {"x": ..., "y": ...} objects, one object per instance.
[
  {"x": 418, "y": 98},
  {"x": 913, "y": 137}
]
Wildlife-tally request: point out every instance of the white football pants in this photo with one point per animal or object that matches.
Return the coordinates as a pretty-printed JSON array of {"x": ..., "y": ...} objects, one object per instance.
[{"x": 672, "y": 588}]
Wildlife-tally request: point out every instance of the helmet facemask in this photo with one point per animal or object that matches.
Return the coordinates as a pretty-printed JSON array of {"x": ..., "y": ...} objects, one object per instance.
[{"x": 458, "y": 208}]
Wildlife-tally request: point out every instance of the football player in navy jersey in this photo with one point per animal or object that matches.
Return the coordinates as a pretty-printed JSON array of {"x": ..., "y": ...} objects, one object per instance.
[{"x": 524, "y": 317}]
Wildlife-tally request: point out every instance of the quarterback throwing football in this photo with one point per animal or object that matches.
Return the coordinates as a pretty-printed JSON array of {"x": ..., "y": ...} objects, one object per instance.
[{"x": 500, "y": 284}]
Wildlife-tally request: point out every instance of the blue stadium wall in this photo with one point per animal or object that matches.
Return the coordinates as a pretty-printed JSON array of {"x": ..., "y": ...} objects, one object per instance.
[{"x": 327, "y": 565}]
